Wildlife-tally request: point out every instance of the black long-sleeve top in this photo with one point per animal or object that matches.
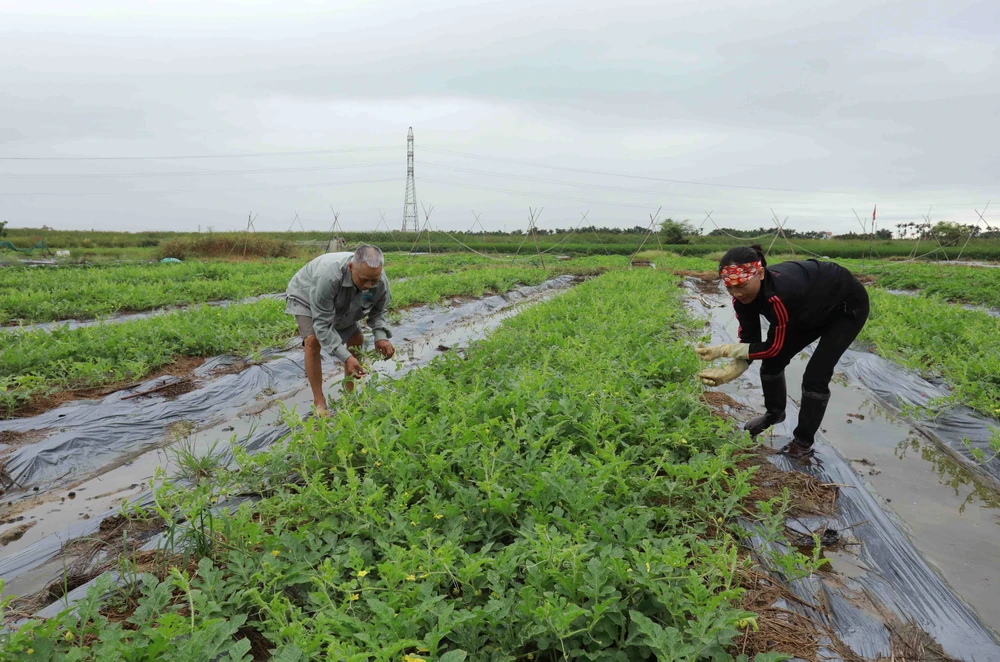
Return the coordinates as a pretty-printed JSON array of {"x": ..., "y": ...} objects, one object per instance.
[{"x": 796, "y": 295}]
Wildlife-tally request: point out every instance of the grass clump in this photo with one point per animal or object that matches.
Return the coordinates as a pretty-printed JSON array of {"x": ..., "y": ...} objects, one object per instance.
[{"x": 232, "y": 245}]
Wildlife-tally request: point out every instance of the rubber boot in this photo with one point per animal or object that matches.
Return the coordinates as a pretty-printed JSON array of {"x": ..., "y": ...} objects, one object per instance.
[
  {"x": 775, "y": 397},
  {"x": 811, "y": 413}
]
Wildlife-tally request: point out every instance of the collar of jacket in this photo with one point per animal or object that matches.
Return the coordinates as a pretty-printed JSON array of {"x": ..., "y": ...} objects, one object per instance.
[
  {"x": 766, "y": 290},
  {"x": 347, "y": 281}
]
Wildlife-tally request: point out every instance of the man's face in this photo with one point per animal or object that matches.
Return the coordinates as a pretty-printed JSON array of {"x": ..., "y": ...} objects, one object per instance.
[
  {"x": 746, "y": 292},
  {"x": 364, "y": 277}
]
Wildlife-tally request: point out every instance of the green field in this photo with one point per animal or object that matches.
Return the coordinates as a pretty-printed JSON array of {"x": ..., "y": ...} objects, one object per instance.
[
  {"x": 575, "y": 243},
  {"x": 937, "y": 339},
  {"x": 29, "y": 294},
  {"x": 558, "y": 493},
  {"x": 36, "y": 363}
]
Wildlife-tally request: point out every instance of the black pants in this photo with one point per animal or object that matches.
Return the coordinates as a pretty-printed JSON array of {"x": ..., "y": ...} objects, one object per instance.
[{"x": 835, "y": 336}]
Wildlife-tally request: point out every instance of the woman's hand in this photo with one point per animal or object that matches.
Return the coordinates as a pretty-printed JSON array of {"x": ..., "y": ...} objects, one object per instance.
[{"x": 720, "y": 376}]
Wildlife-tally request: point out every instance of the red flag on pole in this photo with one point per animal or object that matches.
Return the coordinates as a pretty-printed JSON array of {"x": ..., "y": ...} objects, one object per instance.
[{"x": 873, "y": 211}]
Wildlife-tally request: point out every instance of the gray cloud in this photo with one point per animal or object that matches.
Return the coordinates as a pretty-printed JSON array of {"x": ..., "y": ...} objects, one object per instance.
[{"x": 854, "y": 103}]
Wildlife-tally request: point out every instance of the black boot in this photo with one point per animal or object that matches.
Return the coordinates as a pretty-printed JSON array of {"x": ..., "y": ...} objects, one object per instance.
[
  {"x": 775, "y": 397},
  {"x": 811, "y": 413}
]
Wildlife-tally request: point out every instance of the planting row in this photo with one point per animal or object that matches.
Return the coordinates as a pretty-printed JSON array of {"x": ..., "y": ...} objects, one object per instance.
[
  {"x": 37, "y": 363},
  {"x": 29, "y": 295},
  {"x": 560, "y": 492},
  {"x": 937, "y": 339}
]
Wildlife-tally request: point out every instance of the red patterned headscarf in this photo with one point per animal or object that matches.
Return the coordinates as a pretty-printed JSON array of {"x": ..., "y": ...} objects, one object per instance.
[{"x": 736, "y": 274}]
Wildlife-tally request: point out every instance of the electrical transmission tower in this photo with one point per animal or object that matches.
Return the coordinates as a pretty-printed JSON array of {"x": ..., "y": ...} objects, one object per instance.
[{"x": 410, "y": 220}]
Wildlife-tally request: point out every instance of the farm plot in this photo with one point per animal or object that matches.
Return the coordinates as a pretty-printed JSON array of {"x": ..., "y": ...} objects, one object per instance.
[
  {"x": 37, "y": 364},
  {"x": 940, "y": 340},
  {"x": 44, "y": 295},
  {"x": 31, "y": 295},
  {"x": 558, "y": 492},
  {"x": 868, "y": 545},
  {"x": 83, "y": 445},
  {"x": 927, "y": 334},
  {"x": 949, "y": 282}
]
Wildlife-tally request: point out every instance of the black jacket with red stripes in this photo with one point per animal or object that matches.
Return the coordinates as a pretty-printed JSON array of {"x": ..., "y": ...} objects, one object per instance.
[{"x": 797, "y": 296}]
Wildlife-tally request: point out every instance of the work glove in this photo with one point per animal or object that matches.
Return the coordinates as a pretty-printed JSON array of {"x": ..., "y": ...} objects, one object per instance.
[
  {"x": 720, "y": 376},
  {"x": 734, "y": 351}
]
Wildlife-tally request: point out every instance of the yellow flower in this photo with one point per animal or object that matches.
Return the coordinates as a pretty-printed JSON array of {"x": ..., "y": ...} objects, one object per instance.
[
  {"x": 30, "y": 651},
  {"x": 530, "y": 656},
  {"x": 629, "y": 570},
  {"x": 275, "y": 552},
  {"x": 684, "y": 441},
  {"x": 69, "y": 636},
  {"x": 411, "y": 578},
  {"x": 364, "y": 451},
  {"x": 362, "y": 573},
  {"x": 354, "y": 596},
  {"x": 438, "y": 516},
  {"x": 647, "y": 566},
  {"x": 719, "y": 520},
  {"x": 410, "y": 658},
  {"x": 378, "y": 464}
]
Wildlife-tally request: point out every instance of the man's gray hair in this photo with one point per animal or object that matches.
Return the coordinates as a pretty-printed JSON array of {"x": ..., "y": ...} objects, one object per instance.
[{"x": 370, "y": 255}]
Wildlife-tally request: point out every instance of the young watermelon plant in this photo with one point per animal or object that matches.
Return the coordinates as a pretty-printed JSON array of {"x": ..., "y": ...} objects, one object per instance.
[{"x": 559, "y": 492}]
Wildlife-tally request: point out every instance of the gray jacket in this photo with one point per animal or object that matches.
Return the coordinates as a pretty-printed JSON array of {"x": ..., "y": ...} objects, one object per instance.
[{"x": 323, "y": 290}]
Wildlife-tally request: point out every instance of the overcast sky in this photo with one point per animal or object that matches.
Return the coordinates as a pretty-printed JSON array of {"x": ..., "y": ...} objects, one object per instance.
[{"x": 811, "y": 109}]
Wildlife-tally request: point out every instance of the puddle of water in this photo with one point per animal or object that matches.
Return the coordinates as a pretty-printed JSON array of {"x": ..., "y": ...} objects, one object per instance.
[
  {"x": 952, "y": 520},
  {"x": 55, "y": 512}
]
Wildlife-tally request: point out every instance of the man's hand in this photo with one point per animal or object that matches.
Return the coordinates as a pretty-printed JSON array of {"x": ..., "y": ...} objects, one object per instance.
[
  {"x": 733, "y": 351},
  {"x": 720, "y": 376},
  {"x": 385, "y": 348},
  {"x": 352, "y": 368}
]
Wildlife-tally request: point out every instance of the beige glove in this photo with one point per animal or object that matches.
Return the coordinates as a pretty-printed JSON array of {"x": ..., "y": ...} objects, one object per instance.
[
  {"x": 734, "y": 351},
  {"x": 720, "y": 376}
]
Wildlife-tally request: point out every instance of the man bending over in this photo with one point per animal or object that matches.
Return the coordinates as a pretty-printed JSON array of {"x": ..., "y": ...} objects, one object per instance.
[{"x": 329, "y": 297}]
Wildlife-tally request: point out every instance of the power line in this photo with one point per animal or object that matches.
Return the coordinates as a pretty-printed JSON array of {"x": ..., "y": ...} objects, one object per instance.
[
  {"x": 631, "y": 176},
  {"x": 237, "y": 155},
  {"x": 542, "y": 195},
  {"x": 534, "y": 193},
  {"x": 613, "y": 174},
  {"x": 201, "y": 190},
  {"x": 193, "y": 173},
  {"x": 623, "y": 189}
]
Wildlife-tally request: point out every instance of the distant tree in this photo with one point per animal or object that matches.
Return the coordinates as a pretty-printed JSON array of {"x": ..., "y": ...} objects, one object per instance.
[
  {"x": 677, "y": 232},
  {"x": 947, "y": 231},
  {"x": 3, "y": 229},
  {"x": 883, "y": 234}
]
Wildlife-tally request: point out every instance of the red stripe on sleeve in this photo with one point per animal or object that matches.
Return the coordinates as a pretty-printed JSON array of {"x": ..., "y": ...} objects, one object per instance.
[{"x": 779, "y": 331}]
